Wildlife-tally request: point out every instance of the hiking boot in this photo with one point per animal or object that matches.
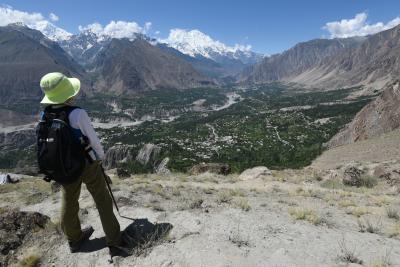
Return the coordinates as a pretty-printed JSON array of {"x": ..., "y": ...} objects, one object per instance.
[{"x": 86, "y": 233}]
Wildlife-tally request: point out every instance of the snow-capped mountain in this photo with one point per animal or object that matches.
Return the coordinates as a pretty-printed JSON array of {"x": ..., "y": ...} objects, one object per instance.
[
  {"x": 195, "y": 43},
  {"x": 208, "y": 56},
  {"x": 52, "y": 32},
  {"x": 84, "y": 47},
  {"x": 48, "y": 29}
]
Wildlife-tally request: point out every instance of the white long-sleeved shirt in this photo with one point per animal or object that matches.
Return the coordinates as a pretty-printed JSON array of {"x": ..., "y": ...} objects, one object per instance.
[{"x": 79, "y": 120}]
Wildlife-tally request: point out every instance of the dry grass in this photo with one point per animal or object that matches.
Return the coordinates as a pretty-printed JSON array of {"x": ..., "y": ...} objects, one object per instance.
[
  {"x": 279, "y": 176},
  {"x": 383, "y": 261},
  {"x": 333, "y": 184},
  {"x": 176, "y": 191},
  {"x": 30, "y": 192},
  {"x": 237, "y": 192},
  {"x": 196, "y": 203},
  {"x": 382, "y": 200},
  {"x": 299, "y": 191},
  {"x": 366, "y": 225},
  {"x": 395, "y": 230},
  {"x": 224, "y": 196},
  {"x": 344, "y": 203},
  {"x": 31, "y": 258},
  {"x": 300, "y": 213},
  {"x": 392, "y": 213},
  {"x": 237, "y": 239},
  {"x": 243, "y": 203},
  {"x": 348, "y": 255},
  {"x": 368, "y": 181},
  {"x": 357, "y": 211},
  {"x": 208, "y": 190}
]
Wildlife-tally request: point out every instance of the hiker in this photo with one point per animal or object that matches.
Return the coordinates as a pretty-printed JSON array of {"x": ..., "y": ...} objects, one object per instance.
[{"x": 66, "y": 130}]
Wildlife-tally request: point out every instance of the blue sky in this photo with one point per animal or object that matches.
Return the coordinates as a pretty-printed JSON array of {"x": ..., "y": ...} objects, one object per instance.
[{"x": 268, "y": 26}]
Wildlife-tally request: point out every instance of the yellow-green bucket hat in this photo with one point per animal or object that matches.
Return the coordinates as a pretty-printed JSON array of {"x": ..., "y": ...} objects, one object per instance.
[{"x": 58, "y": 88}]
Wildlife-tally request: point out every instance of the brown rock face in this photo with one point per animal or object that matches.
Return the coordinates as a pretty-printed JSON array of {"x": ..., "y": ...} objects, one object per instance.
[
  {"x": 129, "y": 66},
  {"x": 14, "y": 227},
  {"x": 296, "y": 60},
  {"x": 25, "y": 56},
  {"x": 352, "y": 176},
  {"x": 372, "y": 61},
  {"x": 378, "y": 117}
]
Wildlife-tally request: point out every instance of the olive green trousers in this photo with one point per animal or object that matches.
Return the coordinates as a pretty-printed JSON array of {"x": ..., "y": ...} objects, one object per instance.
[{"x": 93, "y": 177}]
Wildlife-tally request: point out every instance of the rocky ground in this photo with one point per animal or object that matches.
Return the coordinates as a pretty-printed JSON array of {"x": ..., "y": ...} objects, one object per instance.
[{"x": 305, "y": 217}]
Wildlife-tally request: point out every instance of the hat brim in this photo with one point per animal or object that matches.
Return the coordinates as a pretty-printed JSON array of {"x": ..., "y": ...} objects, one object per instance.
[{"x": 76, "y": 84}]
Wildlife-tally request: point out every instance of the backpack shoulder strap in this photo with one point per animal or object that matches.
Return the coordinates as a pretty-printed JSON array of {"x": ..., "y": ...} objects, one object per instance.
[{"x": 60, "y": 112}]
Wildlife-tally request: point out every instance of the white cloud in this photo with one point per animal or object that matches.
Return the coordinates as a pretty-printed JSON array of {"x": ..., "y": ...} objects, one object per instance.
[
  {"x": 117, "y": 29},
  {"x": 53, "y": 17},
  {"x": 147, "y": 26},
  {"x": 357, "y": 26},
  {"x": 9, "y": 15},
  {"x": 32, "y": 20}
]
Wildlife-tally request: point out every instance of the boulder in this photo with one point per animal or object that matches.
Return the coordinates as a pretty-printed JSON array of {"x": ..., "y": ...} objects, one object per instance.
[
  {"x": 218, "y": 168},
  {"x": 148, "y": 152},
  {"x": 15, "y": 225},
  {"x": 254, "y": 173},
  {"x": 122, "y": 173},
  {"x": 162, "y": 167},
  {"x": 9, "y": 178},
  {"x": 352, "y": 176}
]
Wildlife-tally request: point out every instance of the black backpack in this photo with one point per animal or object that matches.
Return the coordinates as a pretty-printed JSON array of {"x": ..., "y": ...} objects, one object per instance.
[{"x": 60, "y": 156}]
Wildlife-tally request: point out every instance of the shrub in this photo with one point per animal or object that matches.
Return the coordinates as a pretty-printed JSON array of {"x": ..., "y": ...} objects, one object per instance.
[
  {"x": 348, "y": 255},
  {"x": 392, "y": 213},
  {"x": 368, "y": 181},
  {"x": 357, "y": 211},
  {"x": 243, "y": 203},
  {"x": 306, "y": 215},
  {"x": 367, "y": 226},
  {"x": 224, "y": 197},
  {"x": 30, "y": 259}
]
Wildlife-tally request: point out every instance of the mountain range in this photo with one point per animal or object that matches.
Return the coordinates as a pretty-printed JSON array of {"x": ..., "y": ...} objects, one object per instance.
[
  {"x": 369, "y": 62},
  {"x": 188, "y": 59}
]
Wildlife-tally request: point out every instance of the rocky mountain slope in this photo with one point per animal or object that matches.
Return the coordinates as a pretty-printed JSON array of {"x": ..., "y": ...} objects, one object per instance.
[
  {"x": 84, "y": 47},
  {"x": 209, "y": 57},
  {"x": 296, "y": 60},
  {"x": 371, "y": 62},
  {"x": 128, "y": 66},
  {"x": 378, "y": 117},
  {"x": 25, "y": 56}
]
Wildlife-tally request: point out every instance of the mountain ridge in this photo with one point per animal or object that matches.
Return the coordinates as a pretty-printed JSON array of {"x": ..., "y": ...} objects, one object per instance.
[
  {"x": 370, "y": 62},
  {"x": 127, "y": 66},
  {"x": 25, "y": 56}
]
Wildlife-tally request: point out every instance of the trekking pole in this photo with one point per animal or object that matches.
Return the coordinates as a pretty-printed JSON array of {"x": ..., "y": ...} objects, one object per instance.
[{"x": 107, "y": 179}]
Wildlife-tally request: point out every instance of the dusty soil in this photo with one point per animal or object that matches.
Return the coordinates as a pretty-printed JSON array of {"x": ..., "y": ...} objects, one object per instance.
[
  {"x": 291, "y": 218},
  {"x": 379, "y": 149}
]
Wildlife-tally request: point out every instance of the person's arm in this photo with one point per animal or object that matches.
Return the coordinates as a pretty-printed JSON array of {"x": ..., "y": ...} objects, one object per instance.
[{"x": 87, "y": 129}]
